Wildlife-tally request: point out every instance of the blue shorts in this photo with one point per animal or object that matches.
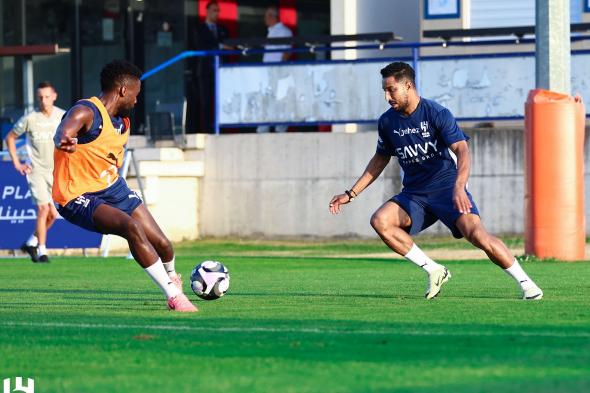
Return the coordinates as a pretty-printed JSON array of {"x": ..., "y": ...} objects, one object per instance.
[
  {"x": 80, "y": 211},
  {"x": 426, "y": 208}
]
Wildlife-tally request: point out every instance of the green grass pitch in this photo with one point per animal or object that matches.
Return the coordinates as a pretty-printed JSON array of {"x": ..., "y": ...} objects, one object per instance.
[{"x": 298, "y": 320}]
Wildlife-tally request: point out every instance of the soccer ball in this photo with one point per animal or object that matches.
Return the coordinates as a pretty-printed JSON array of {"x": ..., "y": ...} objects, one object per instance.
[{"x": 210, "y": 280}]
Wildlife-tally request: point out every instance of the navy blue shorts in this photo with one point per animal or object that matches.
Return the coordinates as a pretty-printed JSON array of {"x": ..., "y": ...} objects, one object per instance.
[
  {"x": 80, "y": 211},
  {"x": 426, "y": 208}
]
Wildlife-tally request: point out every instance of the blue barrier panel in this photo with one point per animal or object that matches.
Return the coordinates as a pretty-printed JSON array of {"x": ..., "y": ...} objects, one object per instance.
[
  {"x": 5, "y": 126},
  {"x": 18, "y": 216}
]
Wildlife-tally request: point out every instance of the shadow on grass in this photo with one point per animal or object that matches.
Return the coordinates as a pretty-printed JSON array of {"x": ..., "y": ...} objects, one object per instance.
[
  {"x": 74, "y": 291},
  {"x": 151, "y": 295}
]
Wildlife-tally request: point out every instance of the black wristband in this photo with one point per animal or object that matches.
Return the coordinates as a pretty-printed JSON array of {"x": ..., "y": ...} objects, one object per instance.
[{"x": 350, "y": 197}]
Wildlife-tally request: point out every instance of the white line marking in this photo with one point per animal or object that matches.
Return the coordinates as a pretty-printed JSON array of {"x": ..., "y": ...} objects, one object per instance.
[{"x": 237, "y": 329}]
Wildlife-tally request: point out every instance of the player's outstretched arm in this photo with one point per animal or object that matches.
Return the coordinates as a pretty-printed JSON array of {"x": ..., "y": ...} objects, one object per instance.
[
  {"x": 374, "y": 168},
  {"x": 460, "y": 199},
  {"x": 77, "y": 121}
]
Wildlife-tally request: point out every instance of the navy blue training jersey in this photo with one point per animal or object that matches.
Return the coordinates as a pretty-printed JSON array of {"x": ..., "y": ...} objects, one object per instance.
[{"x": 420, "y": 142}]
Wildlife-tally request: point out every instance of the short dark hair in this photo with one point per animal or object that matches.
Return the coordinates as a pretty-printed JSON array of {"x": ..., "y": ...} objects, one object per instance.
[
  {"x": 45, "y": 84},
  {"x": 399, "y": 70},
  {"x": 274, "y": 9},
  {"x": 117, "y": 72},
  {"x": 210, "y": 3}
]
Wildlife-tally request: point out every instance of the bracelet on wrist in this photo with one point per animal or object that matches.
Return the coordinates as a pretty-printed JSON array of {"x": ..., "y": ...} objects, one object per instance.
[{"x": 350, "y": 197}]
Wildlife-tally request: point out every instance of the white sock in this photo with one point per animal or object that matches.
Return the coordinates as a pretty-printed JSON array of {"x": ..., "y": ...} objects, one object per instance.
[
  {"x": 41, "y": 250},
  {"x": 169, "y": 266},
  {"x": 516, "y": 272},
  {"x": 419, "y": 258},
  {"x": 160, "y": 277},
  {"x": 33, "y": 241}
]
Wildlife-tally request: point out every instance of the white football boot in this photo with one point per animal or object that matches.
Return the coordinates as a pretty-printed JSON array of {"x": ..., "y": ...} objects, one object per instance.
[
  {"x": 530, "y": 291},
  {"x": 435, "y": 281}
]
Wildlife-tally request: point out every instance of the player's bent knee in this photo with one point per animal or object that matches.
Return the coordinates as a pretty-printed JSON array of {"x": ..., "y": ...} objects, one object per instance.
[
  {"x": 471, "y": 235},
  {"x": 134, "y": 229},
  {"x": 478, "y": 237},
  {"x": 380, "y": 222},
  {"x": 376, "y": 222},
  {"x": 163, "y": 244}
]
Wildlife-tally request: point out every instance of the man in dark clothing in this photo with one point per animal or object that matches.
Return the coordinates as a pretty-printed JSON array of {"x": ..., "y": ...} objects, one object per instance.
[
  {"x": 200, "y": 83},
  {"x": 434, "y": 155}
]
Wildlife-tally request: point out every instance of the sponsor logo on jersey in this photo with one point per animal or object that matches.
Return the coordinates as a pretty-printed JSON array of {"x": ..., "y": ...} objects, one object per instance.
[
  {"x": 417, "y": 152},
  {"x": 406, "y": 131}
]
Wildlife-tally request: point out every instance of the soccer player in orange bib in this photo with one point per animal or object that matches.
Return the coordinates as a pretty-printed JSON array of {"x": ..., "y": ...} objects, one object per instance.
[{"x": 90, "y": 144}]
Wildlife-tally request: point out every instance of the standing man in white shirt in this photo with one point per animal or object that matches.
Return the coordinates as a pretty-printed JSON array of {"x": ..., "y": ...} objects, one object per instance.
[
  {"x": 40, "y": 126},
  {"x": 275, "y": 30}
]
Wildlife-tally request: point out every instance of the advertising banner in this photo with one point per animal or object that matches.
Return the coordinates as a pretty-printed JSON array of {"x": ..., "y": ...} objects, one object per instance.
[{"x": 18, "y": 216}]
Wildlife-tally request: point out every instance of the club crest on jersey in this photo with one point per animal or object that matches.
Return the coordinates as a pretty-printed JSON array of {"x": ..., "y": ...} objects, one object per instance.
[{"x": 424, "y": 128}]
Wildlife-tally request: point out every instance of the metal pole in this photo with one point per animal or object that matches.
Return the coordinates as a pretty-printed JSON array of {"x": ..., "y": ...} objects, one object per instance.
[
  {"x": 106, "y": 242},
  {"x": 130, "y": 41},
  {"x": 23, "y": 22},
  {"x": 126, "y": 161},
  {"x": 76, "y": 55},
  {"x": 28, "y": 99},
  {"x": 552, "y": 49},
  {"x": 415, "y": 65},
  {"x": 137, "y": 175},
  {"x": 216, "y": 94},
  {"x": 20, "y": 62}
]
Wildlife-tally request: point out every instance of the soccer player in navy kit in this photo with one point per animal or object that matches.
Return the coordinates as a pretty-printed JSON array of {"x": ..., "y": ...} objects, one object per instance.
[{"x": 424, "y": 137}]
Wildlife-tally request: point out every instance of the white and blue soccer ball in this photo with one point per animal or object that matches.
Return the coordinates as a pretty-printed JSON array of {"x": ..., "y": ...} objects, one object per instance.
[{"x": 210, "y": 280}]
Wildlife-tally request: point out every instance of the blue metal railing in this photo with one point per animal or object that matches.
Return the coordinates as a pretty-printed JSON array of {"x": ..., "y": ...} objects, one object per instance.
[{"x": 414, "y": 46}]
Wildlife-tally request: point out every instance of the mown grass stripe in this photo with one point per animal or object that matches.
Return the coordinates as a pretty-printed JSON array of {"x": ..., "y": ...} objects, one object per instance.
[{"x": 228, "y": 329}]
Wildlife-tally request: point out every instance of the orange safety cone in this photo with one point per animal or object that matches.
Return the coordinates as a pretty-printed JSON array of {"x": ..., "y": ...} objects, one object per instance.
[{"x": 554, "y": 169}]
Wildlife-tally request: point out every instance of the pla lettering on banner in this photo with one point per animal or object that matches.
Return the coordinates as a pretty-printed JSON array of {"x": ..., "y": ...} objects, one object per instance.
[{"x": 15, "y": 193}]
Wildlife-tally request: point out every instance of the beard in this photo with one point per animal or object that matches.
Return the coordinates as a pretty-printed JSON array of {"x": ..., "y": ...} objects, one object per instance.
[
  {"x": 124, "y": 112},
  {"x": 403, "y": 104}
]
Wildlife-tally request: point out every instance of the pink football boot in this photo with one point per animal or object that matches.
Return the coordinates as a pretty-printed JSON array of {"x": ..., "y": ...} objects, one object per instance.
[{"x": 181, "y": 303}]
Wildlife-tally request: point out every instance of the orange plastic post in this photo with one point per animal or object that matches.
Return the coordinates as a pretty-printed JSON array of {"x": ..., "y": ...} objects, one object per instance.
[{"x": 554, "y": 169}]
